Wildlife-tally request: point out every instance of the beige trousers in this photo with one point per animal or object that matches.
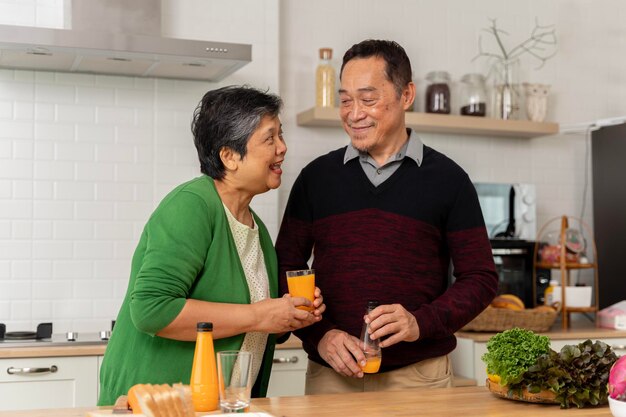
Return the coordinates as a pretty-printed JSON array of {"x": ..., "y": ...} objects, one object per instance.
[{"x": 430, "y": 373}]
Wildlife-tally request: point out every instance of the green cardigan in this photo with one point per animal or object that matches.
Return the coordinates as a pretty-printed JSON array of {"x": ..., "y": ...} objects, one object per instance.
[{"x": 186, "y": 251}]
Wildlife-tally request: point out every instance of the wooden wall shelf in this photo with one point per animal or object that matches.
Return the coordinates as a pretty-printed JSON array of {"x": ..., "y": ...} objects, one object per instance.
[
  {"x": 442, "y": 123},
  {"x": 544, "y": 265}
]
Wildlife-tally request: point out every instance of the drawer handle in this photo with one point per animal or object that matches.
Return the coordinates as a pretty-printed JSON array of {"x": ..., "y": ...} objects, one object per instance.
[
  {"x": 18, "y": 371},
  {"x": 293, "y": 359},
  {"x": 619, "y": 347}
]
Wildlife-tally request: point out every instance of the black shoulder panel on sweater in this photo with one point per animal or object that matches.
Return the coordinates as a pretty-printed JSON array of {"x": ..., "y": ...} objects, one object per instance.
[{"x": 429, "y": 192}]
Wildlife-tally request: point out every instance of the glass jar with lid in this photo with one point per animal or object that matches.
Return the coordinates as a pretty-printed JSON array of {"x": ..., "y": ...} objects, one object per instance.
[
  {"x": 473, "y": 95},
  {"x": 438, "y": 92}
]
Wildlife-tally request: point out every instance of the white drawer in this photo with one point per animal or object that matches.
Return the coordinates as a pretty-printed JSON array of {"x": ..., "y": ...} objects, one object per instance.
[
  {"x": 288, "y": 373},
  {"x": 52, "y": 382},
  {"x": 285, "y": 359}
]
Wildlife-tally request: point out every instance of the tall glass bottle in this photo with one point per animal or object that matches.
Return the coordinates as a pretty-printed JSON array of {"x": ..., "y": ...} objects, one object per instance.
[
  {"x": 203, "y": 381},
  {"x": 371, "y": 348},
  {"x": 325, "y": 80}
]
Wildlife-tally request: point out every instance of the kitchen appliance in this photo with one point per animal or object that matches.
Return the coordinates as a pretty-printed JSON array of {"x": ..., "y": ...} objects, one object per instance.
[
  {"x": 44, "y": 336},
  {"x": 514, "y": 264},
  {"x": 509, "y": 213},
  {"x": 608, "y": 147},
  {"x": 118, "y": 37},
  {"x": 509, "y": 210}
]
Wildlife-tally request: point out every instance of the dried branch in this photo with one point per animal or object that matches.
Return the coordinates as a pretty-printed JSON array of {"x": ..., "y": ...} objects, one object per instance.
[{"x": 541, "y": 45}]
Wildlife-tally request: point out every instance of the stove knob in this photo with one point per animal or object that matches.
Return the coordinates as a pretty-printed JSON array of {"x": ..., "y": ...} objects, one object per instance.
[{"x": 71, "y": 336}]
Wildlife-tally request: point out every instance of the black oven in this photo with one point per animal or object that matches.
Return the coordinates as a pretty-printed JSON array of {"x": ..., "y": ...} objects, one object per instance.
[{"x": 514, "y": 264}]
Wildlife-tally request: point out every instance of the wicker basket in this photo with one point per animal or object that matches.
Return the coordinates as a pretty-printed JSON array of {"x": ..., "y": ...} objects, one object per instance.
[
  {"x": 543, "y": 396},
  {"x": 500, "y": 319}
]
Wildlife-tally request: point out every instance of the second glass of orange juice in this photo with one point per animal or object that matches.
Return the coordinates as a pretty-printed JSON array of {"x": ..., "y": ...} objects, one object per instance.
[
  {"x": 371, "y": 347},
  {"x": 301, "y": 283}
]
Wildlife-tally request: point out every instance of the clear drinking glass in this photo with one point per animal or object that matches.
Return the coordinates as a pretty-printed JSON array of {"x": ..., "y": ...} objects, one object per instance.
[
  {"x": 301, "y": 283},
  {"x": 371, "y": 348},
  {"x": 234, "y": 374}
]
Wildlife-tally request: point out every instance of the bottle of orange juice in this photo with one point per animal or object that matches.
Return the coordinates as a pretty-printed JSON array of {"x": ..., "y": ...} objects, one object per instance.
[
  {"x": 371, "y": 348},
  {"x": 203, "y": 383}
]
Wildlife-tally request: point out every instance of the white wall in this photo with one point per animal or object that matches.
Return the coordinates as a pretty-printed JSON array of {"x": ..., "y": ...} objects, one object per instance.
[{"x": 84, "y": 159}]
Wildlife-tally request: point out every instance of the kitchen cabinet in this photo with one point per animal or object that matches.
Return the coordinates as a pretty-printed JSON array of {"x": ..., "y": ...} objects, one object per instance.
[
  {"x": 442, "y": 123},
  {"x": 288, "y": 373},
  {"x": 100, "y": 358},
  {"x": 466, "y": 358},
  {"x": 77, "y": 379},
  {"x": 48, "y": 382}
]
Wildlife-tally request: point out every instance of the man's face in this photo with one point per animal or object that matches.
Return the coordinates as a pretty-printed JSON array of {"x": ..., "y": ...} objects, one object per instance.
[{"x": 370, "y": 109}]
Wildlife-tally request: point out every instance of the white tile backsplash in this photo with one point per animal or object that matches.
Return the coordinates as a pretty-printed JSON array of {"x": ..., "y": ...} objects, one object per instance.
[
  {"x": 72, "y": 269},
  {"x": 21, "y": 269},
  {"x": 42, "y": 269},
  {"x": 54, "y": 131},
  {"x": 85, "y": 159},
  {"x": 5, "y": 272},
  {"x": 5, "y": 231}
]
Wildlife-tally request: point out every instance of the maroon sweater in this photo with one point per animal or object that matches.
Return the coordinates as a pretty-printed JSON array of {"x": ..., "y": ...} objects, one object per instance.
[{"x": 392, "y": 243}]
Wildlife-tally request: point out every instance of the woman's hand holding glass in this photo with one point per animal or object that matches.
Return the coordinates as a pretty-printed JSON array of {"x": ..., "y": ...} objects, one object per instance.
[{"x": 279, "y": 315}]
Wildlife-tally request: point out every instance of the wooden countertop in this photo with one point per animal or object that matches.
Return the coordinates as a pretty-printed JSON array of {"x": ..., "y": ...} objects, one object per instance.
[
  {"x": 448, "y": 402},
  {"x": 91, "y": 350},
  {"x": 440, "y": 402},
  {"x": 292, "y": 343},
  {"x": 51, "y": 350},
  {"x": 578, "y": 331}
]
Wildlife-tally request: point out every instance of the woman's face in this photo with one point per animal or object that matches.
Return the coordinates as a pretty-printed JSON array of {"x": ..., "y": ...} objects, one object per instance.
[{"x": 260, "y": 170}]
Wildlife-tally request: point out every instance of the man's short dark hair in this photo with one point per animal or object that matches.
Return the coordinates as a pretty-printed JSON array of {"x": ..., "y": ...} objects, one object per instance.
[
  {"x": 227, "y": 117},
  {"x": 398, "y": 65}
]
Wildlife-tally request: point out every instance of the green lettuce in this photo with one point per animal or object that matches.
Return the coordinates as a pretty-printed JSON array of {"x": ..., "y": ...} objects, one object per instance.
[
  {"x": 578, "y": 374},
  {"x": 511, "y": 353}
]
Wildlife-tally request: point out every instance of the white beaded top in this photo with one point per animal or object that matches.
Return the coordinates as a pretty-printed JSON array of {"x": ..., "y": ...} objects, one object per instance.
[{"x": 253, "y": 262}]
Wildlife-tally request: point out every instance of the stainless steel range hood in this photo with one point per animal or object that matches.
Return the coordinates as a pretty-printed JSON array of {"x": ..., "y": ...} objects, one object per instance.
[{"x": 118, "y": 37}]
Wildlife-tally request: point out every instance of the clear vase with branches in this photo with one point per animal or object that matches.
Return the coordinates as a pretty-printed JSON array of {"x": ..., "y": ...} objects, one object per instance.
[{"x": 541, "y": 46}]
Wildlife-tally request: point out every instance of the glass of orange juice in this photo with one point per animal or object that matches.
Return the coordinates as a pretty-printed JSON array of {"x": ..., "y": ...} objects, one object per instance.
[
  {"x": 371, "y": 347},
  {"x": 301, "y": 283}
]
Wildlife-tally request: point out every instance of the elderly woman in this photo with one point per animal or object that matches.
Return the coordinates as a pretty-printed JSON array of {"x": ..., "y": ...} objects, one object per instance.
[{"x": 204, "y": 255}]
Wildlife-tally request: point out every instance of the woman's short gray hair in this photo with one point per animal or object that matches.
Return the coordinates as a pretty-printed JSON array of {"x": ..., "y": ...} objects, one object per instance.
[{"x": 227, "y": 117}]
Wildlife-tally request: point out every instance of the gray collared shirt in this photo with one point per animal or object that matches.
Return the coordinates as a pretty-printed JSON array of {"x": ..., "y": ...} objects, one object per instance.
[{"x": 413, "y": 148}]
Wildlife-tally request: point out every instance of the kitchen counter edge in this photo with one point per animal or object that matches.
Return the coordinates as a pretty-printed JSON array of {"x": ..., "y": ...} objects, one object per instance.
[{"x": 90, "y": 350}]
